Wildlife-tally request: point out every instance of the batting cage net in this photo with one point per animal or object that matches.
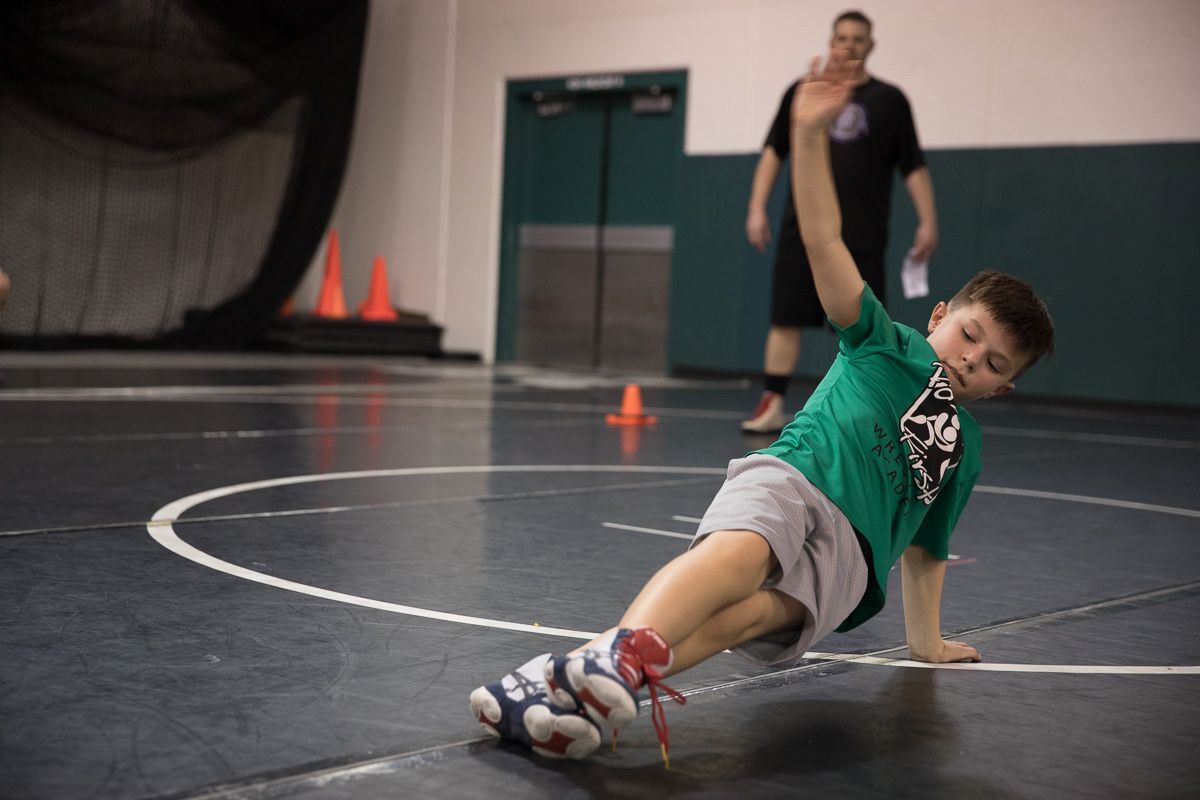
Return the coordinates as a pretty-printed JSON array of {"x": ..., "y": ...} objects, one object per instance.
[{"x": 167, "y": 167}]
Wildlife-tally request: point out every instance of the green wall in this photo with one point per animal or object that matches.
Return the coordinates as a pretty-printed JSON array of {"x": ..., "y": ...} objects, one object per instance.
[{"x": 1107, "y": 235}]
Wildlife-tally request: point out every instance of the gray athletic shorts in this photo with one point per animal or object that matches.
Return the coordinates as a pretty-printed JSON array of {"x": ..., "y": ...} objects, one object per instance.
[{"x": 820, "y": 562}]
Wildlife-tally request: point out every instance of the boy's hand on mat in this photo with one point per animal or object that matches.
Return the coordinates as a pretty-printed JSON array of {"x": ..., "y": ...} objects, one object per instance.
[{"x": 949, "y": 652}]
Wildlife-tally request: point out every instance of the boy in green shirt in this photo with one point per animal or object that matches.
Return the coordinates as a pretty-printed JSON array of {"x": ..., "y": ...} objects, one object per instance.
[{"x": 800, "y": 538}]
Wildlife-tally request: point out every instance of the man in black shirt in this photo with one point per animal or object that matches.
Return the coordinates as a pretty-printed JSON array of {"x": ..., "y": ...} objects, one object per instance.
[{"x": 874, "y": 136}]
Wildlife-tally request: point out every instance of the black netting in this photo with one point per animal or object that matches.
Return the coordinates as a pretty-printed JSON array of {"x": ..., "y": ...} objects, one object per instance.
[{"x": 167, "y": 167}]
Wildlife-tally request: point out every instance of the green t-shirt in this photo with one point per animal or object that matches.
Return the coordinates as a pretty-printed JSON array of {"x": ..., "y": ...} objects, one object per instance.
[{"x": 884, "y": 440}]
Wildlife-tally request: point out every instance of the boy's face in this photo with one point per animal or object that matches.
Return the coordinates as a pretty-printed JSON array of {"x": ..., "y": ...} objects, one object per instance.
[{"x": 980, "y": 356}]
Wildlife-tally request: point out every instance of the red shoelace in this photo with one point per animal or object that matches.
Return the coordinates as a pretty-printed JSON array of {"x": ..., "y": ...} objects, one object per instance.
[
  {"x": 653, "y": 678},
  {"x": 657, "y": 715}
]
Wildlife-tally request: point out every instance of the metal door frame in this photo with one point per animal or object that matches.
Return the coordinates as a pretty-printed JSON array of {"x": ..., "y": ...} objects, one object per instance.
[{"x": 550, "y": 89}]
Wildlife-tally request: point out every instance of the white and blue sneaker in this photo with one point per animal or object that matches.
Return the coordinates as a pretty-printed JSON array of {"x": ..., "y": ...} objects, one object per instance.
[
  {"x": 517, "y": 708},
  {"x": 603, "y": 681}
]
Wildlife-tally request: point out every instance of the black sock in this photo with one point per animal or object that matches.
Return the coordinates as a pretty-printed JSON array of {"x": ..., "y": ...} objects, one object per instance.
[{"x": 776, "y": 383}]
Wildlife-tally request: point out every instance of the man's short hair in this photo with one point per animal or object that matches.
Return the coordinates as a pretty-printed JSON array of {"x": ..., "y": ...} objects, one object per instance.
[
  {"x": 853, "y": 16},
  {"x": 1012, "y": 303}
]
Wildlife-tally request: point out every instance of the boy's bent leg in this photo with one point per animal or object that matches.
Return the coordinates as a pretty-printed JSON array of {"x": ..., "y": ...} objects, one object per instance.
[
  {"x": 727, "y": 566},
  {"x": 724, "y": 568},
  {"x": 765, "y": 612}
]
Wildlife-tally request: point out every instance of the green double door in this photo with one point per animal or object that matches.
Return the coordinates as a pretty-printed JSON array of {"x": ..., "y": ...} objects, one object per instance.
[{"x": 587, "y": 231}]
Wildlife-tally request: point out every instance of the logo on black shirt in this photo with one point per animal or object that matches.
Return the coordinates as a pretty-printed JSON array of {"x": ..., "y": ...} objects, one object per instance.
[
  {"x": 931, "y": 428},
  {"x": 851, "y": 124}
]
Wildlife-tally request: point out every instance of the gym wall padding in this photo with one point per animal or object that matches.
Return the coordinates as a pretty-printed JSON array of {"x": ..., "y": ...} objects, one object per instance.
[{"x": 1105, "y": 233}]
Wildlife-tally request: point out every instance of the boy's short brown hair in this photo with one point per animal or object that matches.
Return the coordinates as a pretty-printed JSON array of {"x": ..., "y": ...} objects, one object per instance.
[{"x": 1012, "y": 303}]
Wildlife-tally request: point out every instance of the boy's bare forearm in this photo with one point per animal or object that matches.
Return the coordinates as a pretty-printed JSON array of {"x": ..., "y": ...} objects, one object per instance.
[
  {"x": 812, "y": 187},
  {"x": 922, "y": 575}
]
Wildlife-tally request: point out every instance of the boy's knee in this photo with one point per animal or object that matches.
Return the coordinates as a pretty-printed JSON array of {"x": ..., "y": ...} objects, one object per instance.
[{"x": 744, "y": 551}]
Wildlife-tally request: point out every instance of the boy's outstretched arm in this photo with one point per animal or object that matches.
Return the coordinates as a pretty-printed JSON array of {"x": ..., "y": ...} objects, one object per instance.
[
  {"x": 818, "y": 102},
  {"x": 922, "y": 574}
]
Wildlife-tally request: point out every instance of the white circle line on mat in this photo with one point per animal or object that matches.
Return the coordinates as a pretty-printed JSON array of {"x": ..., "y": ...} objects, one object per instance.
[
  {"x": 987, "y": 666},
  {"x": 162, "y": 531}
]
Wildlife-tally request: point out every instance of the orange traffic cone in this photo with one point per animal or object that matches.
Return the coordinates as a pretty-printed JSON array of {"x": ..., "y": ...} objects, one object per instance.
[
  {"x": 376, "y": 307},
  {"x": 332, "y": 303},
  {"x": 288, "y": 308},
  {"x": 631, "y": 409}
]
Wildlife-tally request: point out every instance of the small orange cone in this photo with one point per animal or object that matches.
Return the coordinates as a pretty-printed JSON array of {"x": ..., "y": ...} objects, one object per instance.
[
  {"x": 332, "y": 303},
  {"x": 376, "y": 307},
  {"x": 631, "y": 409},
  {"x": 288, "y": 308}
]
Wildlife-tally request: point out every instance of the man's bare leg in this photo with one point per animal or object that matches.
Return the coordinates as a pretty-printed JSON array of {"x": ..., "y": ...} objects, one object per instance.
[{"x": 782, "y": 350}]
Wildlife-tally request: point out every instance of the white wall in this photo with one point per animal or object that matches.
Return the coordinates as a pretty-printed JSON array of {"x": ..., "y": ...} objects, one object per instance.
[
  {"x": 392, "y": 201},
  {"x": 424, "y": 182}
]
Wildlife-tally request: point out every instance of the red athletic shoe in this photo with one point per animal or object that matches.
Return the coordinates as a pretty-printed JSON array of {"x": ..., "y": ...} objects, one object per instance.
[
  {"x": 768, "y": 416},
  {"x": 517, "y": 708},
  {"x": 603, "y": 681}
]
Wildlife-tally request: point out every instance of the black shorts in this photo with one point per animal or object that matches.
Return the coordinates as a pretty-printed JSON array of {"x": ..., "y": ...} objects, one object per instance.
[{"x": 794, "y": 301}]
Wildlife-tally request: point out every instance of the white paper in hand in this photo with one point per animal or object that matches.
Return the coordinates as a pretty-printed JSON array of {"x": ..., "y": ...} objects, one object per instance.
[{"x": 915, "y": 277}]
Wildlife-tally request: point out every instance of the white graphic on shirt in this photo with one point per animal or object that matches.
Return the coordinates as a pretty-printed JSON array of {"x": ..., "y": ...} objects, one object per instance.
[
  {"x": 934, "y": 437},
  {"x": 851, "y": 124}
]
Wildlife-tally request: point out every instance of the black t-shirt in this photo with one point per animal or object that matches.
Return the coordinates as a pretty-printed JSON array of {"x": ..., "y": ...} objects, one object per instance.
[{"x": 874, "y": 134}]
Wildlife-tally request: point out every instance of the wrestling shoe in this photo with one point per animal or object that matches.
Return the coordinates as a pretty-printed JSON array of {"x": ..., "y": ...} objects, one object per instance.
[
  {"x": 768, "y": 416},
  {"x": 603, "y": 681},
  {"x": 518, "y": 709}
]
